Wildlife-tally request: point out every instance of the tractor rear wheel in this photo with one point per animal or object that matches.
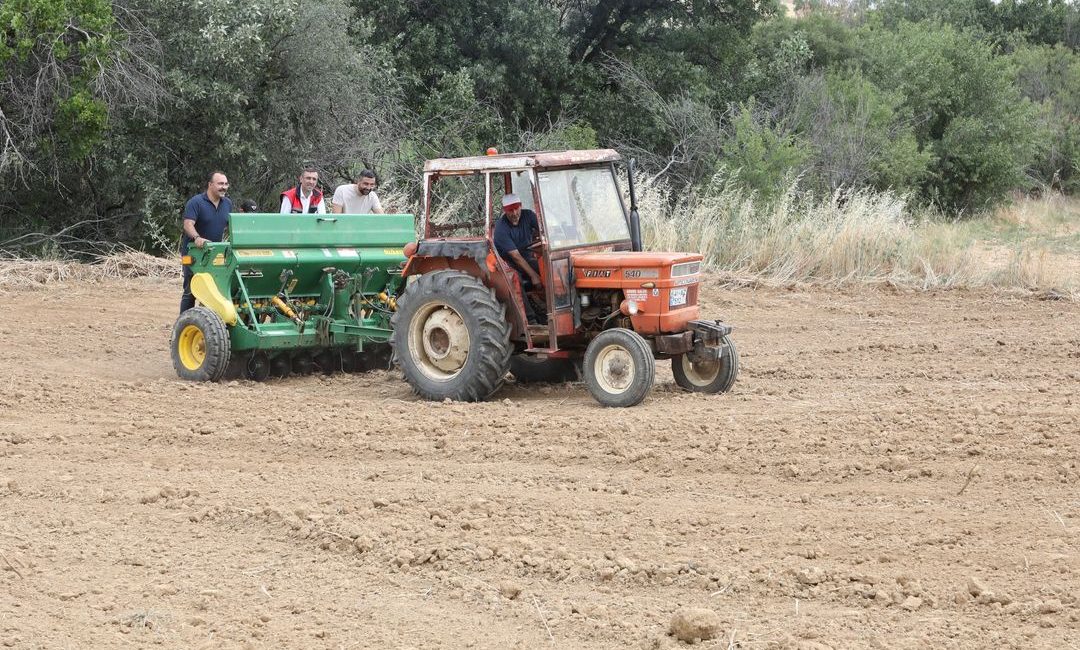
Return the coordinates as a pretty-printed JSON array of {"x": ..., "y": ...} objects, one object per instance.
[
  {"x": 713, "y": 377},
  {"x": 619, "y": 368},
  {"x": 200, "y": 345},
  {"x": 531, "y": 369},
  {"x": 451, "y": 337}
]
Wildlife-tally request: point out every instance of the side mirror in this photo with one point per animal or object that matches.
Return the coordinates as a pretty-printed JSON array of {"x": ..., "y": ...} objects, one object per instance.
[{"x": 635, "y": 219}]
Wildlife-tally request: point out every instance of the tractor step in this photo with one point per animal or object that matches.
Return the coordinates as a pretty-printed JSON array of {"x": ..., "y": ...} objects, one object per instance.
[{"x": 538, "y": 333}]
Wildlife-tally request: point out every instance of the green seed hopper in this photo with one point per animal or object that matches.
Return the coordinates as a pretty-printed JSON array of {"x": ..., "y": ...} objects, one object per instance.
[{"x": 292, "y": 293}]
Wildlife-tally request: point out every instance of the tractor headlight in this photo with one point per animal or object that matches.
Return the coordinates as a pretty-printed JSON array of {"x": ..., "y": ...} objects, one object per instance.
[{"x": 677, "y": 297}]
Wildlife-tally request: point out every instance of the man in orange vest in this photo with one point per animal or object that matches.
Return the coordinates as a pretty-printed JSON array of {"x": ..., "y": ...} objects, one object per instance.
[{"x": 305, "y": 198}]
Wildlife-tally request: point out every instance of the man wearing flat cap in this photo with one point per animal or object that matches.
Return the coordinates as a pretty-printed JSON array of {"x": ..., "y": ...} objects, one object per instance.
[{"x": 515, "y": 231}]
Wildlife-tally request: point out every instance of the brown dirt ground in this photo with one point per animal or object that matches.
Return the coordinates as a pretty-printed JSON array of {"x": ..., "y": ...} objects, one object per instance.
[{"x": 818, "y": 505}]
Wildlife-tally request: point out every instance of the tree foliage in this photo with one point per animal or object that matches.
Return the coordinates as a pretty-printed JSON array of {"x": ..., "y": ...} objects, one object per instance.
[
  {"x": 52, "y": 55},
  {"x": 113, "y": 111}
]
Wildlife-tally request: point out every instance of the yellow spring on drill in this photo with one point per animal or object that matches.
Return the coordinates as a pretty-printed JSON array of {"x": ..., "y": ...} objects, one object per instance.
[
  {"x": 287, "y": 310},
  {"x": 389, "y": 300}
]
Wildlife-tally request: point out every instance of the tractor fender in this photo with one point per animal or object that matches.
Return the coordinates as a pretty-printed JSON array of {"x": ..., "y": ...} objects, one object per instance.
[{"x": 491, "y": 271}]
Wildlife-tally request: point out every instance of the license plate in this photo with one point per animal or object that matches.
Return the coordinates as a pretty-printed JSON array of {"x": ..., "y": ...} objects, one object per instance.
[{"x": 677, "y": 297}]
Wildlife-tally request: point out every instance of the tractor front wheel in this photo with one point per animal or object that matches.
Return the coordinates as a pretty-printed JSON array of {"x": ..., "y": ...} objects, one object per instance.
[
  {"x": 200, "y": 345},
  {"x": 619, "y": 368},
  {"x": 712, "y": 377},
  {"x": 451, "y": 337}
]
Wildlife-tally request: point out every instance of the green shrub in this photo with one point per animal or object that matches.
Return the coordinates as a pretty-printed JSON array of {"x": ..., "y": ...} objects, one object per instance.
[
  {"x": 859, "y": 134},
  {"x": 761, "y": 157},
  {"x": 1050, "y": 77},
  {"x": 967, "y": 111}
]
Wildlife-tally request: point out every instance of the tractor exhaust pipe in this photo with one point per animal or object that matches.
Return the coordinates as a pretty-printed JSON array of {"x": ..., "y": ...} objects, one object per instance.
[{"x": 635, "y": 219}]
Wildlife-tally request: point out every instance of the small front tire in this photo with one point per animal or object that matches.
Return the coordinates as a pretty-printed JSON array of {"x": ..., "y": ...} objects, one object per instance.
[
  {"x": 714, "y": 377},
  {"x": 619, "y": 368}
]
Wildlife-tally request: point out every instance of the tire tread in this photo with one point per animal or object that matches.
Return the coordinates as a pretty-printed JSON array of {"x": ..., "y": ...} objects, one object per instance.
[{"x": 491, "y": 346}]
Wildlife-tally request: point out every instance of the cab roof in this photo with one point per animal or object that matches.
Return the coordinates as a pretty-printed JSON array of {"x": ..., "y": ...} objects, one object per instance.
[{"x": 521, "y": 160}]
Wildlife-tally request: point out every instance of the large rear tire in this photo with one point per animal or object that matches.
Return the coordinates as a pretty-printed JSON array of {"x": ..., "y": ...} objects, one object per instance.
[
  {"x": 619, "y": 368},
  {"x": 200, "y": 345},
  {"x": 451, "y": 338},
  {"x": 714, "y": 377}
]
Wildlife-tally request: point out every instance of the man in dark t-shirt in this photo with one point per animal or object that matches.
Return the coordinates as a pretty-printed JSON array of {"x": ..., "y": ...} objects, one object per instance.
[
  {"x": 514, "y": 232},
  {"x": 206, "y": 216}
]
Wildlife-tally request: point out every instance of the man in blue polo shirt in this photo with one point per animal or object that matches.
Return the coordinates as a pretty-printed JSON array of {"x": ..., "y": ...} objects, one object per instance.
[
  {"x": 206, "y": 216},
  {"x": 514, "y": 233}
]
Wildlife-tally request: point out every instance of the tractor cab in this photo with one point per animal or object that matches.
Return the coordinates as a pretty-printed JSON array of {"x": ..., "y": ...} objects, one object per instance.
[
  {"x": 595, "y": 279},
  {"x": 584, "y": 247}
]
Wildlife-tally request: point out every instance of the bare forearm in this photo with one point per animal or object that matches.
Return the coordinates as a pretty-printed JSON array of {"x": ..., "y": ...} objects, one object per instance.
[
  {"x": 525, "y": 266},
  {"x": 189, "y": 229}
]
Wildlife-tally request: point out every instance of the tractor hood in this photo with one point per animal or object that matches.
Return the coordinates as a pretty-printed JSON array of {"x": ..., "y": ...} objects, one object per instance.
[
  {"x": 632, "y": 260},
  {"x": 628, "y": 269}
]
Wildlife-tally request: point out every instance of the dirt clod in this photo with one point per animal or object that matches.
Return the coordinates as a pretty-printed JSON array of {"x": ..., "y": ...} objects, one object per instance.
[
  {"x": 693, "y": 624},
  {"x": 976, "y": 587},
  {"x": 509, "y": 589},
  {"x": 811, "y": 575}
]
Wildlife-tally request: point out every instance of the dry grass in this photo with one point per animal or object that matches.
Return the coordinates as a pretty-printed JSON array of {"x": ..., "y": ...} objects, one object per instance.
[
  {"x": 852, "y": 238},
  {"x": 19, "y": 273},
  {"x": 867, "y": 237}
]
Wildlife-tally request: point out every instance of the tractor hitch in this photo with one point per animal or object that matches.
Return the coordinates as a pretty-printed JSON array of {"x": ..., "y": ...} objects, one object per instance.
[{"x": 708, "y": 340}]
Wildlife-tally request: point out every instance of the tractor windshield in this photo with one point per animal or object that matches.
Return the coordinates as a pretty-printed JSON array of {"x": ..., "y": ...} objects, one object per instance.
[{"x": 582, "y": 206}]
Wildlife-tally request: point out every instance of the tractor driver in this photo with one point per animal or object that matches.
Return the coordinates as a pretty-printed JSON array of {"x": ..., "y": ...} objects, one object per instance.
[{"x": 514, "y": 232}]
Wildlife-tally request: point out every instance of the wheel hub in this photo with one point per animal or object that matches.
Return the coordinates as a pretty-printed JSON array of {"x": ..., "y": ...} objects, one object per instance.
[
  {"x": 192, "y": 347},
  {"x": 441, "y": 342},
  {"x": 615, "y": 369},
  {"x": 700, "y": 373}
]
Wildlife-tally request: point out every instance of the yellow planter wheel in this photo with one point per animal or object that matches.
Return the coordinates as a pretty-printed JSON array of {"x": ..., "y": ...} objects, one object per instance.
[{"x": 200, "y": 345}]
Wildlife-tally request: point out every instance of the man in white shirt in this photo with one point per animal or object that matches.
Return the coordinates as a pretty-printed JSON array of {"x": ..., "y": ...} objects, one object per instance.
[
  {"x": 358, "y": 198},
  {"x": 305, "y": 198}
]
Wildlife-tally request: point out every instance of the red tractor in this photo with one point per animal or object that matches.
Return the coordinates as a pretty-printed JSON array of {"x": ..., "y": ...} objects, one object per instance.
[{"x": 611, "y": 309}]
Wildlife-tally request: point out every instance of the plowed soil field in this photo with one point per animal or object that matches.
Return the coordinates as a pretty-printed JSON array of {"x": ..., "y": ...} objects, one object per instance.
[{"x": 891, "y": 470}]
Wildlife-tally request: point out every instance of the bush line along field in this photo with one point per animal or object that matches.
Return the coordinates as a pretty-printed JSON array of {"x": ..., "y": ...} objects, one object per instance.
[
  {"x": 867, "y": 237},
  {"x": 853, "y": 238},
  {"x": 114, "y": 111}
]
